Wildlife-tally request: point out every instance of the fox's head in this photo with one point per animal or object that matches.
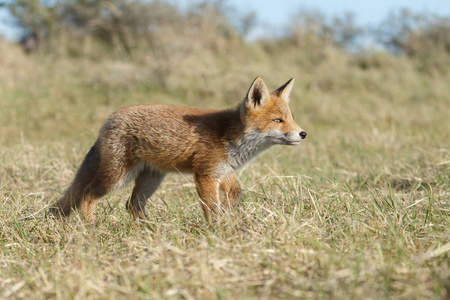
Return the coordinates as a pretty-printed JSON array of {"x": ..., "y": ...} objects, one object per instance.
[{"x": 269, "y": 113}]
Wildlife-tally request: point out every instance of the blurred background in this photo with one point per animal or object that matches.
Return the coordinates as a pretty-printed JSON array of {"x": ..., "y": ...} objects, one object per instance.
[
  {"x": 129, "y": 26},
  {"x": 359, "y": 210},
  {"x": 75, "y": 61}
]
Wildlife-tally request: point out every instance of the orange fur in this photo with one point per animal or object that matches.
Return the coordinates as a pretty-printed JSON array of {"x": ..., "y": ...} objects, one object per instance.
[{"x": 142, "y": 143}]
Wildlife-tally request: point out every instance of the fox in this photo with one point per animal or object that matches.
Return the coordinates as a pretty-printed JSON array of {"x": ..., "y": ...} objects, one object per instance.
[{"x": 142, "y": 143}]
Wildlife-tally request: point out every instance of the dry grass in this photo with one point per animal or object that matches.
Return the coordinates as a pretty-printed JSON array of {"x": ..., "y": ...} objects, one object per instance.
[{"x": 359, "y": 210}]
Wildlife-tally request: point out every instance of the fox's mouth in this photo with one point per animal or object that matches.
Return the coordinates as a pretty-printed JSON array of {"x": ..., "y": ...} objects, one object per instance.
[
  {"x": 291, "y": 142},
  {"x": 278, "y": 138}
]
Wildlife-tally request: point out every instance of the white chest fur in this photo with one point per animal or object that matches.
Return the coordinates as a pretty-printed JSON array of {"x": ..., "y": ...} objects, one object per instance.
[{"x": 247, "y": 148}]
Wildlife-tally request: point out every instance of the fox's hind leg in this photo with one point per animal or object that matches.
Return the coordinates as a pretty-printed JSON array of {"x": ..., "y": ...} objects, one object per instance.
[
  {"x": 101, "y": 185},
  {"x": 231, "y": 190},
  {"x": 146, "y": 183},
  {"x": 94, "y": 179},
  {"x": 82, "y": 192}
]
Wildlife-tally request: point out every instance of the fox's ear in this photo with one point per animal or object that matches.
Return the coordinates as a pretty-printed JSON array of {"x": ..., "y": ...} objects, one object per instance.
[
  {"x": 284, "y": 91},
  {"x": 257, "y": 95}
]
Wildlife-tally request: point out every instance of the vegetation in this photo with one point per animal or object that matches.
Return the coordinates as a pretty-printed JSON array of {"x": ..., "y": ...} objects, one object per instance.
[{"x": 361, "y": 209}]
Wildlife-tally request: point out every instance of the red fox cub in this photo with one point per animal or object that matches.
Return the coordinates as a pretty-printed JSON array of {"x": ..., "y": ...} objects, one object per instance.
[{"x": 142, "y": 143}]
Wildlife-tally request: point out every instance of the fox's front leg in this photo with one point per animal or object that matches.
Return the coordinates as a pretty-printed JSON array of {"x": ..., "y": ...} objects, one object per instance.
[
  {"x": 231, "y": 190},
  {"x": 208, "y": 191}
]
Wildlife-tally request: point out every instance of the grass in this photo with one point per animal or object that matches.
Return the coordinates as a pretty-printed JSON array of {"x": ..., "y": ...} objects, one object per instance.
[{"x": 361, "y": 209}]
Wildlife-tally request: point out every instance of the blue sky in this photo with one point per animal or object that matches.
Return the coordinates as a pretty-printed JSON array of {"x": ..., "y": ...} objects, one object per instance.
[
  {"x": 366, "y": 12},
  {"x": 274, "y": 14}
]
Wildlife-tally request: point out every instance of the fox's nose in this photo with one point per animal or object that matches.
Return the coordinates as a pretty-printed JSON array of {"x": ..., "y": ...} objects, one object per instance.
[{"x": 303, "y": 135}]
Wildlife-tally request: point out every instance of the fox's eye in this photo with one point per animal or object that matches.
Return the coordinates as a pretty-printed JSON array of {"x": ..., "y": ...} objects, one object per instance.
[{"x": 277, "y": 120}]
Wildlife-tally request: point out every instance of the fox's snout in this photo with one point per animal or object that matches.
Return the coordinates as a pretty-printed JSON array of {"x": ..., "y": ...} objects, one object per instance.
[{"x": 303, "y": 135}]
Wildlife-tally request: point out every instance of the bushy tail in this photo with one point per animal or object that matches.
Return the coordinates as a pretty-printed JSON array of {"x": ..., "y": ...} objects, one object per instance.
[{"x": 81, "y": 185}]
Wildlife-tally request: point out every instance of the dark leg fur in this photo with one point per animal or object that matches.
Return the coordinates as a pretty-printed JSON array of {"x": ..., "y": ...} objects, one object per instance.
[
  {"x": 145, "y": 185},
  {"x": 86, "y": 188}
]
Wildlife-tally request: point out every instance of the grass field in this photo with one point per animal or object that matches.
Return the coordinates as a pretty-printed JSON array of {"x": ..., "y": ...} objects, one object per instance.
[{"x": 359, "y": 210}]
